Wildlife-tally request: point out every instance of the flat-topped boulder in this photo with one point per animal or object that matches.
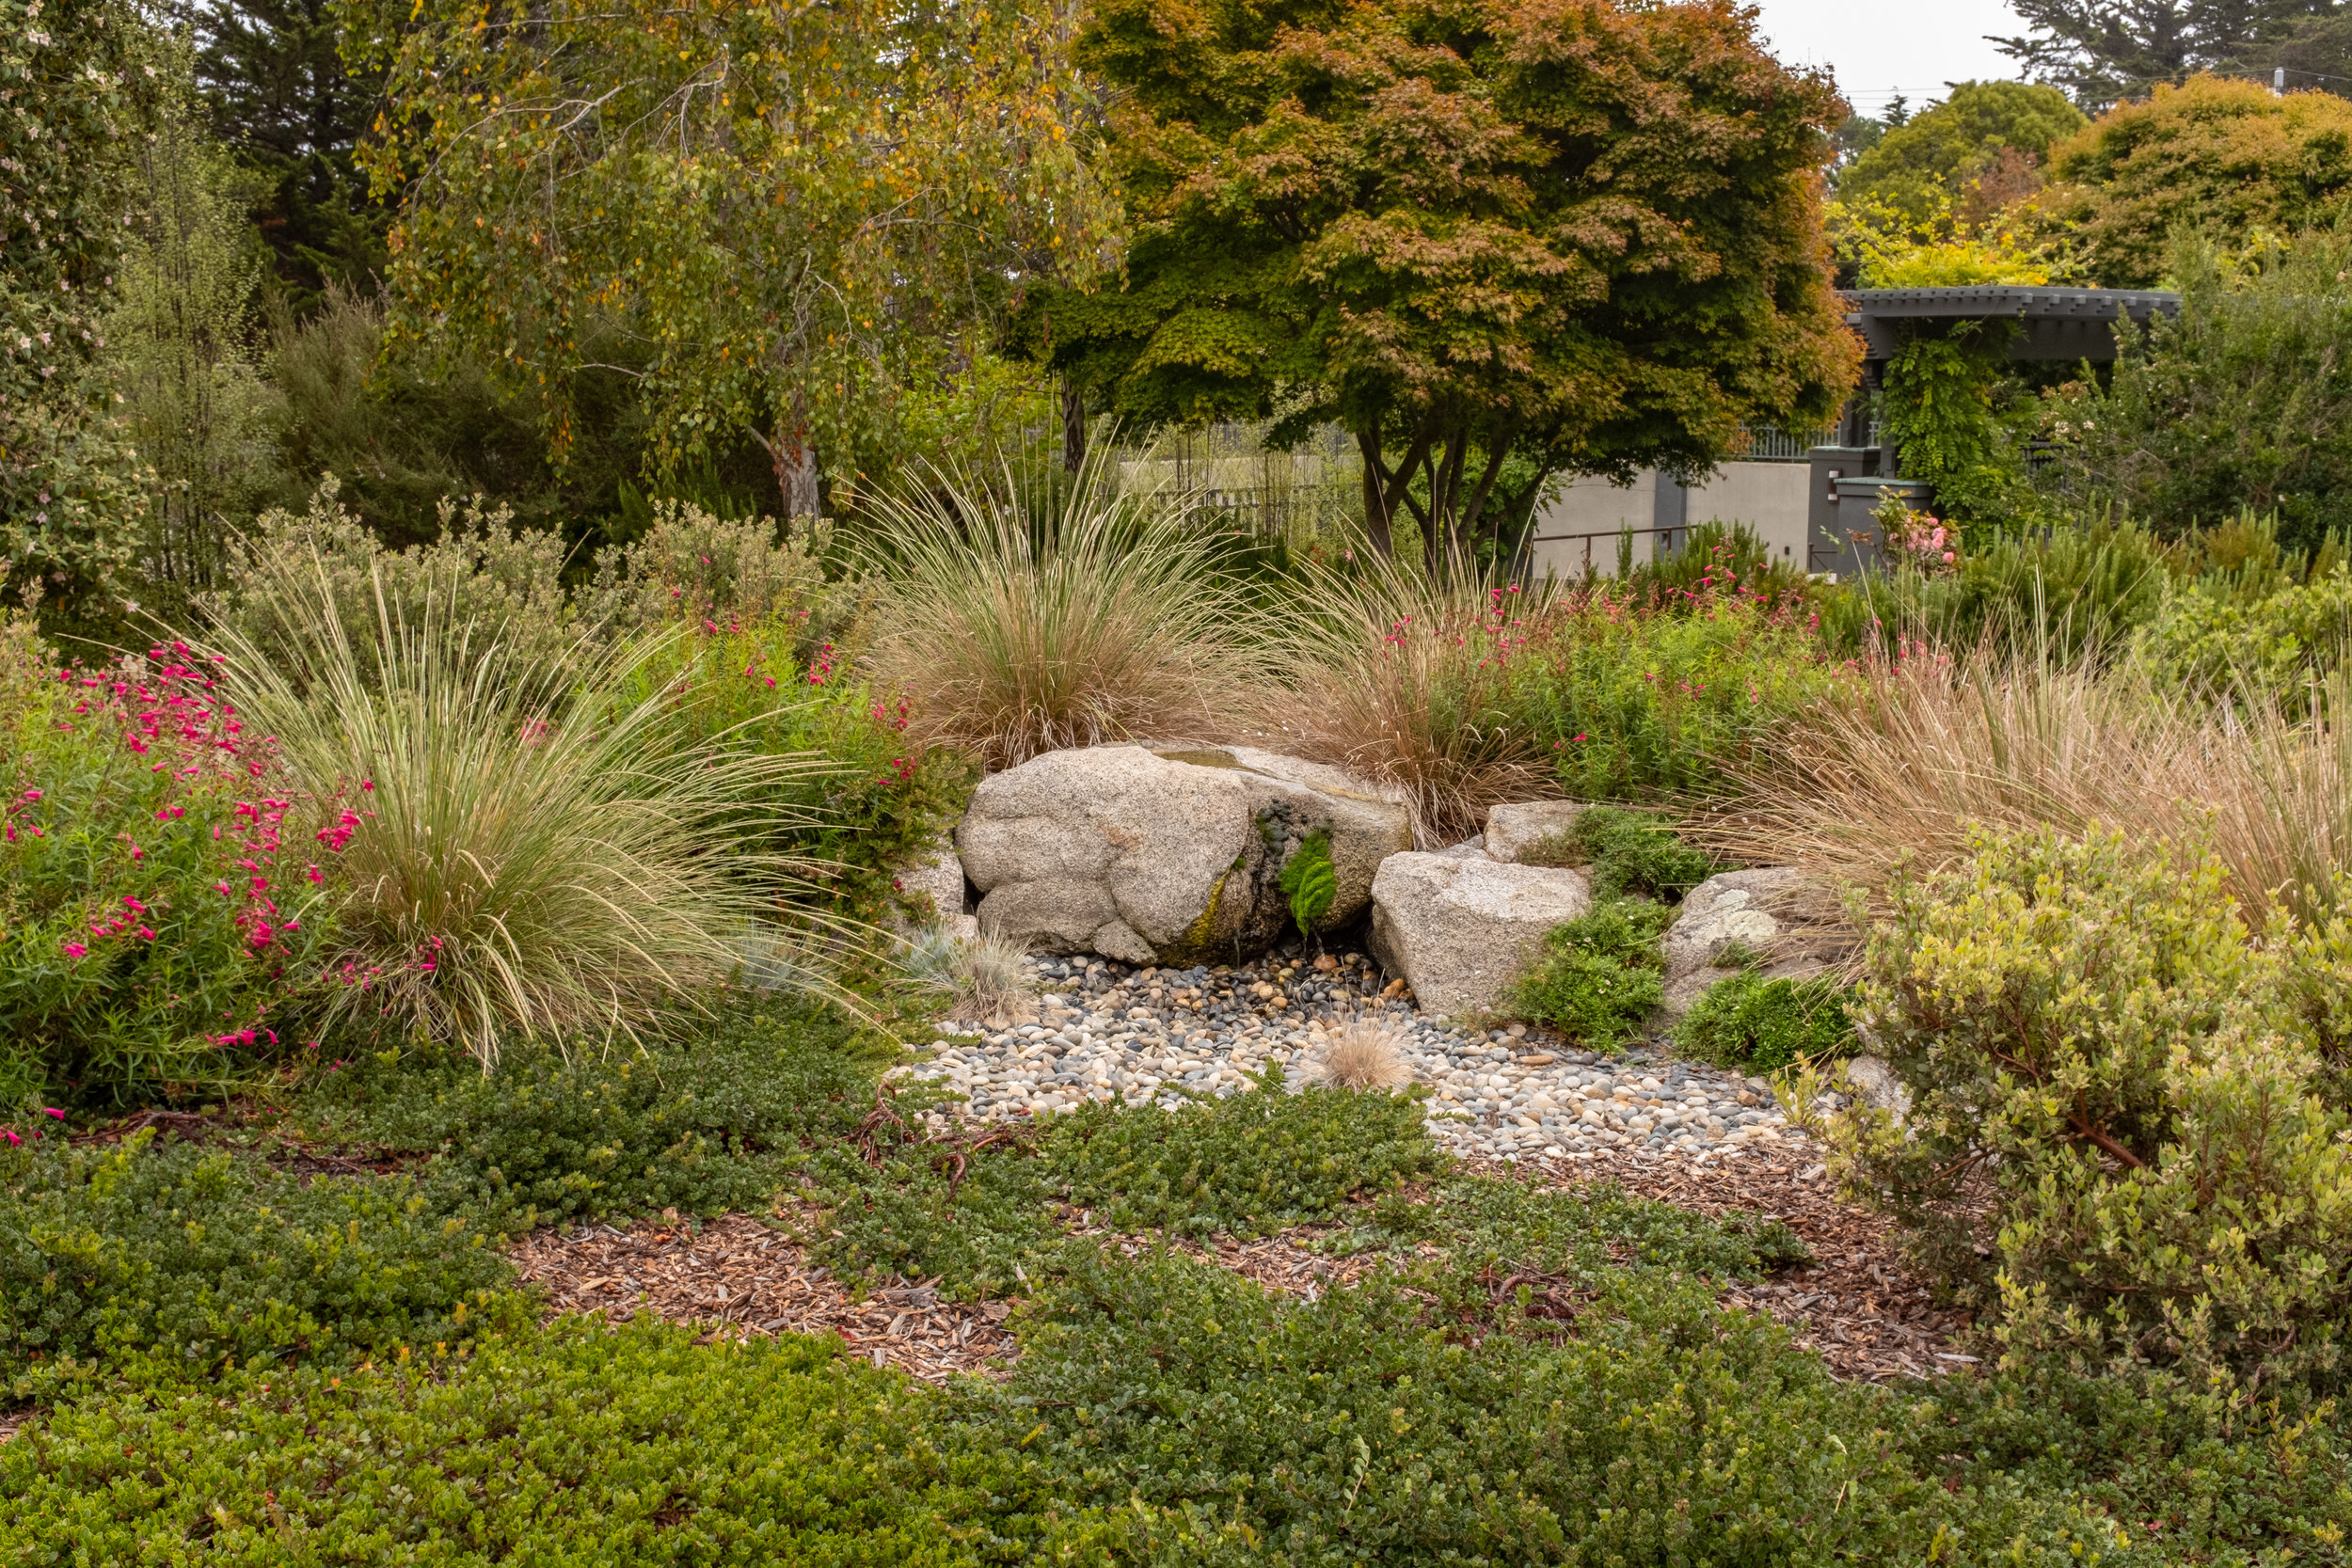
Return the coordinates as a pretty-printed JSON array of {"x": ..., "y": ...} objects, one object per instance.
[
  {"x": 1171, "y": 856},
  {"x": 1459, "y": 929},
  {"x": 1514, "y": 829}
]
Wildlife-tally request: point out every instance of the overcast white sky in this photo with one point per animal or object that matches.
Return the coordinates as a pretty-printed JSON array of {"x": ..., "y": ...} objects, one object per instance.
[{"x": 1914, "y": 46}]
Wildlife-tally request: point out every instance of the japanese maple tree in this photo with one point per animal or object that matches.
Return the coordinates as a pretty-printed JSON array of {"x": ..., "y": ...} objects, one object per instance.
[{"x": 1495, "y": 240}]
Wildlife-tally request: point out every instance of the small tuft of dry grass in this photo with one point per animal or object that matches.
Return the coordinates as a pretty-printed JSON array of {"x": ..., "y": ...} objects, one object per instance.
[
  {"x": 1363, "y": 1054},
  {"x": 1020, "y": 624},
  {"x": 981, "y": 975}
]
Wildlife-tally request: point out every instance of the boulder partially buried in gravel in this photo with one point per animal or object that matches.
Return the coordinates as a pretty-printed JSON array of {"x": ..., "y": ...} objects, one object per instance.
[
  {"x": 1459, "y": 929},
  {"x": 1166, "y": 857}
]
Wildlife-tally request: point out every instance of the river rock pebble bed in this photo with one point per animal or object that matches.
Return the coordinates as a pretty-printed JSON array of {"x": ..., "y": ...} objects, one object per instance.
[{"x": 1106, "y": 1028}]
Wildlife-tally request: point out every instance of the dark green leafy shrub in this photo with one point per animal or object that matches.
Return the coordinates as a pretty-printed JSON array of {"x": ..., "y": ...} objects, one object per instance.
[
  {"x": 1760, "y": 1026},
  {"x": 576, "y": 1444},
  {"x": 1249, "y": 1163},
  {"x": 173, "y": 1261},
  {"x": 2093, "y": 1026},
  {"x": 709, "y": 1120},
  {"x": 1598, "y": 976}
]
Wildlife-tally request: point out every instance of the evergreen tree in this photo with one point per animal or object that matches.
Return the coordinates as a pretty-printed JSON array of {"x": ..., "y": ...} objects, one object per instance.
[{"x": 285, "y": 101}]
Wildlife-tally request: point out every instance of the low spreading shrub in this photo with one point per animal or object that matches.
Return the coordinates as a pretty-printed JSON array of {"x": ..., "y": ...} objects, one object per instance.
[
  {"x": 1597, "y": 976},
  {"x": 1755, "y": 1025},
  {"x": 1355, "y": 1426},
  {"x": 2089, "y": 1029},
  {"x": 173, "y": 1262},
  {"x": 1468, "y": 1231},
  {"x": 710, "y": 1118},
  {"x": 156, "y": 924},
  {"x": 1251, "y": 1163},
  {"x": 575, "y": 1443},
  {"x": 978, "y": 1214}
]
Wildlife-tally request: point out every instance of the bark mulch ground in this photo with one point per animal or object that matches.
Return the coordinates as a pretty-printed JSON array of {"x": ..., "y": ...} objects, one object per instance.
[
  {"x": 1858, "y": 1305},
  {"x": 739, "y": 1276}
]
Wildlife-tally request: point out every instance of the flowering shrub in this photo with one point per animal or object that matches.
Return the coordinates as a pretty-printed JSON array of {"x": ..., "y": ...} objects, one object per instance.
[
  {"x": 2091, "y": 1026},
  {"x": 1628, "y": 692},
  {"x": 154, "y": 920}
]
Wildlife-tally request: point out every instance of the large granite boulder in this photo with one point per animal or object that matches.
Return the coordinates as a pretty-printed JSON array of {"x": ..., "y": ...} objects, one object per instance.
[
  {"x": 1459, "y": 928},
  {"x": 1734, "y": 921},
  {"x": 1168, "y": 857}
]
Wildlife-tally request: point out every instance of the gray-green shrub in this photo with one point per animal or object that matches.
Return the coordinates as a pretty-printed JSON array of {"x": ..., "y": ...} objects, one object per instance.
[{"x": 2088, "y": 1027}]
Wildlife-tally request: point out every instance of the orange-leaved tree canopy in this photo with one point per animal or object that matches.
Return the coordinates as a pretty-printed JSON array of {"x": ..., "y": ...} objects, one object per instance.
[
  {"x": 1495, "y": 240},
  {"x": 788, "y": 215}
]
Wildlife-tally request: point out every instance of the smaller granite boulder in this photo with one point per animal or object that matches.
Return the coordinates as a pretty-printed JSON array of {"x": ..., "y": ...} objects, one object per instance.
[
  {"x": 1459, "y": 929},
  {"x": 1512, "y": 831},
  {"x": 1873, "y": 1081},
  {"x": 1728, "y": 923},
  {"x": 937, "y": 875}
]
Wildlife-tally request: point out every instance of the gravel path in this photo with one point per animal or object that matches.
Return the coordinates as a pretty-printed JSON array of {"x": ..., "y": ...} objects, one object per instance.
[{"x": 1151, "y": 1032}]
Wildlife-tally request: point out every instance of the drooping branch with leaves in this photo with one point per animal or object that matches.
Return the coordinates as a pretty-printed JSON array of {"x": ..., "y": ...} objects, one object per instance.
[{"x": 789, "y": 214}]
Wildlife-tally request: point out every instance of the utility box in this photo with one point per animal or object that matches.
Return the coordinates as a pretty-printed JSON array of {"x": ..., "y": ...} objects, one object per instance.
[
  {"x": 1855, "y": 533},
  {"x": 1831, "y": 467}
]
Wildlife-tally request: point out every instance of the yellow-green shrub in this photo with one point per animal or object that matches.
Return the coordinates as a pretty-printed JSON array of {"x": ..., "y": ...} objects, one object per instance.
[{"x": 2090, "y": 1026}]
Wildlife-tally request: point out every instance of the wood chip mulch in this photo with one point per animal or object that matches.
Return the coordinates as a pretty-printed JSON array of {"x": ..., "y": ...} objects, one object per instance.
[
  {"x": 739, "y": 1276},
  {"x": 1858, "y": 1306}
]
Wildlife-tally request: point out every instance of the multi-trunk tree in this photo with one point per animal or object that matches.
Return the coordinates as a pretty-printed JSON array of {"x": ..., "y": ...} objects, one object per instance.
[
  {"x": 784, "y": 218},
  {"x": 1495, "y": 240}
]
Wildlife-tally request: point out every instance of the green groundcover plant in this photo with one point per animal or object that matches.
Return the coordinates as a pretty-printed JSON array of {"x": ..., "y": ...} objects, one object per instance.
[
  {"x": 1599, "y": 975},
  {"x": 1757, "y": 1024}
]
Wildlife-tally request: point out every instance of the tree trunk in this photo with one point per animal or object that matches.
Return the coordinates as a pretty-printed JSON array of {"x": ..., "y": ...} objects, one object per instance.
[
  {"x": 797, "y": 474},
  {"x": 1375, "y": 504},
  {"x": 1073, "y": 425}
]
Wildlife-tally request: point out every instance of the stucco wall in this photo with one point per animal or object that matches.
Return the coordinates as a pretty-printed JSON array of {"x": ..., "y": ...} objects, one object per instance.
[{"x": 1584, "y": 520}]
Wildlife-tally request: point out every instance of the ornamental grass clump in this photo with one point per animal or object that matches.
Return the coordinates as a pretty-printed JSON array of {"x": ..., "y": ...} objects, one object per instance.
[
  {"x": 1407, "y": 681},
  {"x": 2093, "y": 1037},
  {"x": 1931, "y": 747},
  {"x": 1019, "y": 624},
  {"x": 526, "y": 847}
]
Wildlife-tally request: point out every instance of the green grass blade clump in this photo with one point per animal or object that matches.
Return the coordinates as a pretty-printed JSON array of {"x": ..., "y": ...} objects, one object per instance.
[
  {"x": 1754, "y": 1025},
  {"x": 523, "y": 854},
  {"x": 1019, "y": 624}
]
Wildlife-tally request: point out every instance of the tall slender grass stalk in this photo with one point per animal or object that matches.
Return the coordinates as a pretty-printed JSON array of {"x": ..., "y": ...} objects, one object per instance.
[
  {"x": 1020, "y": 623},
  {"x": 527, "y": 850}
]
